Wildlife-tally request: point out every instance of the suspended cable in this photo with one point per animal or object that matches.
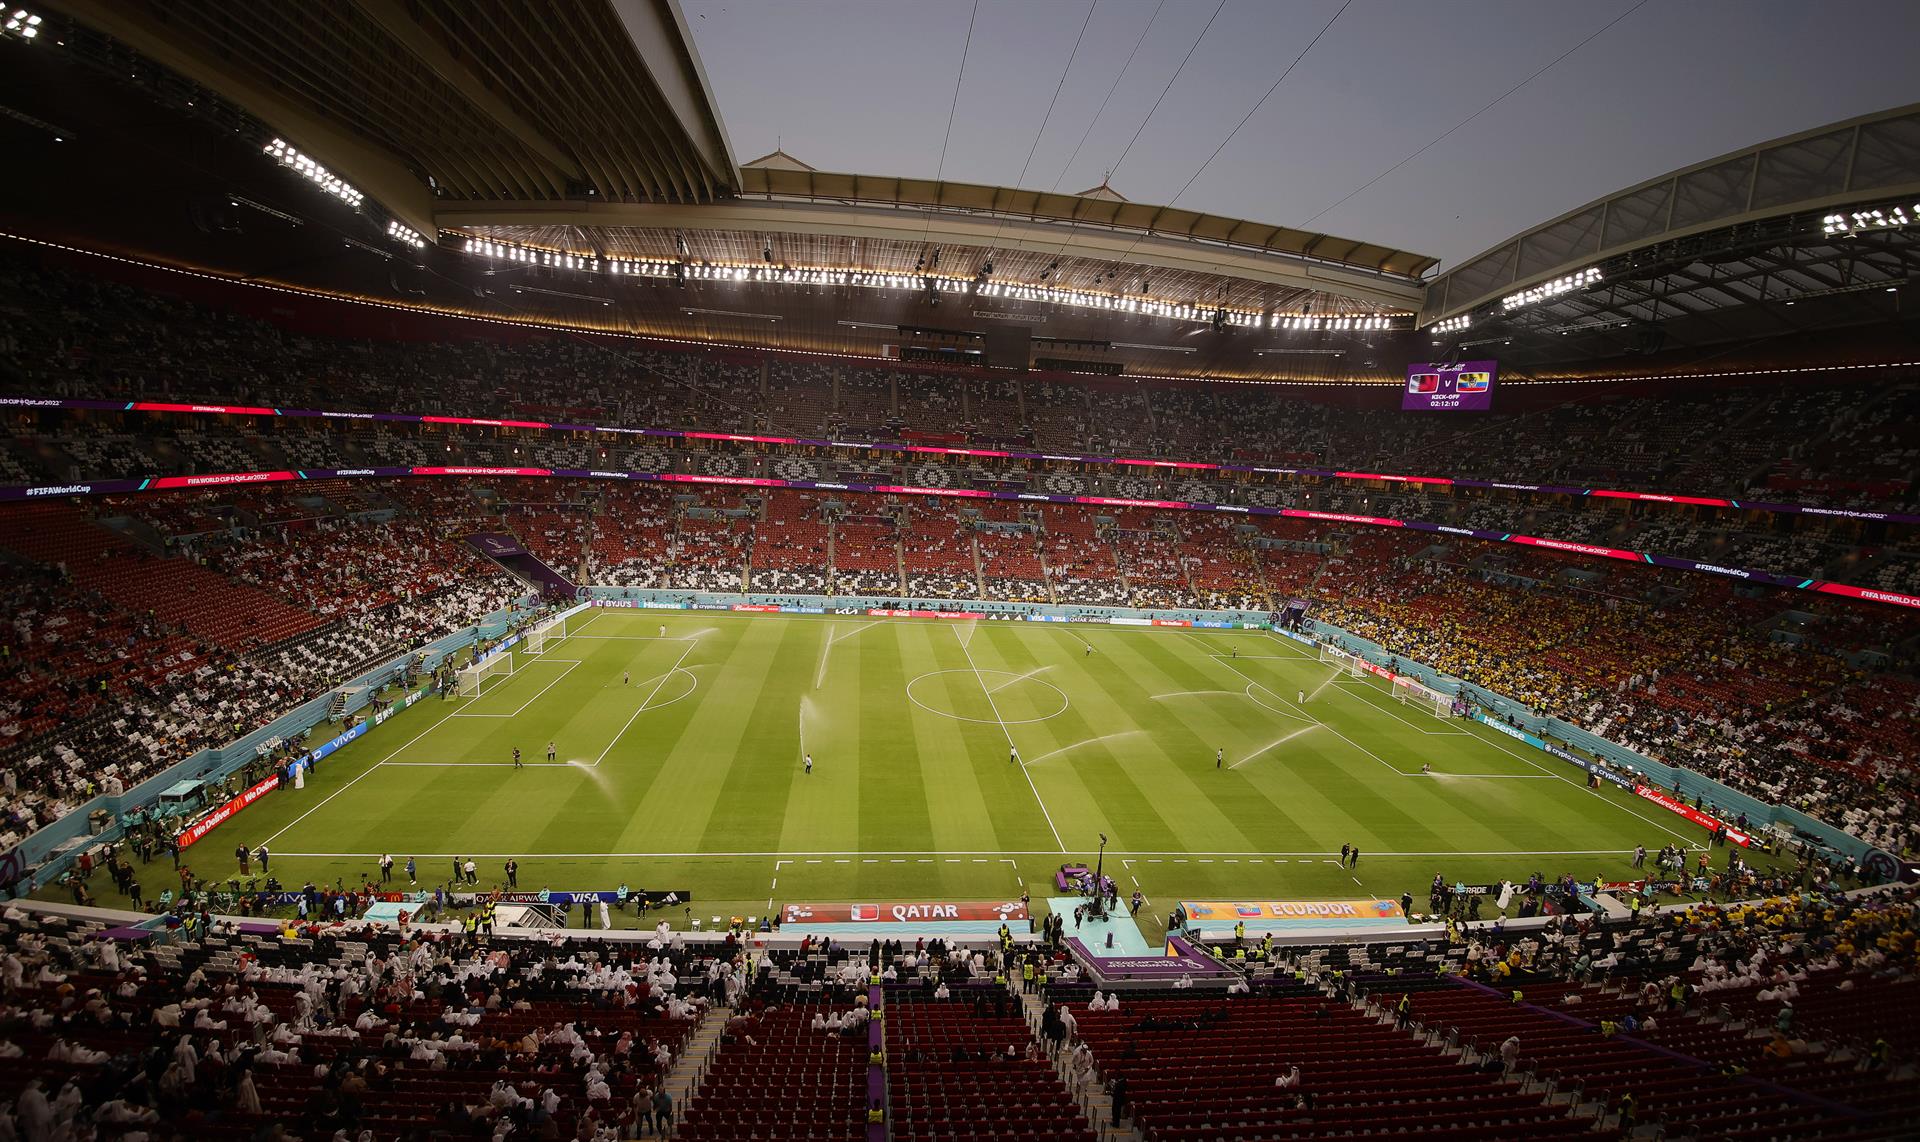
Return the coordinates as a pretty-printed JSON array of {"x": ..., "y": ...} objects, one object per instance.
[{"x": 1490, "y": 106}]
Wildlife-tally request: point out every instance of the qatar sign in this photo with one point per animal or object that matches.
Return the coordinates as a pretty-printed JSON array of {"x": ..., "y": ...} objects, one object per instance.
[{"x": 903, "y": 912}]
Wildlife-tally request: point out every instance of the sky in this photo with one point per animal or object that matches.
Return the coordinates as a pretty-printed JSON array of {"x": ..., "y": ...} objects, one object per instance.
[{"x": 1415, "y": 124}]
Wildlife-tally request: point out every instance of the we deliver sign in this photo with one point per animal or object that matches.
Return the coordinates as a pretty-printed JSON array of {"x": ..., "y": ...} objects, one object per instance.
[{"x": 214, "y": 819}]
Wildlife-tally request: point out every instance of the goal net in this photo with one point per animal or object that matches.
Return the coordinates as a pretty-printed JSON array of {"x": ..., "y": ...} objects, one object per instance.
[
  {"x": 472, "y": 679},
  {"x": 1426, "y": 697},
  {"x": 554, "y": 629},
  {"x": 1340, "y": 659}
]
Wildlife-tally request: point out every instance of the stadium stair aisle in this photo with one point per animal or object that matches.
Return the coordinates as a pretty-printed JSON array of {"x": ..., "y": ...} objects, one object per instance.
[
  {"x": 943, "y": 1098},
  {"x": 1093, "y": 1099},
  {"x": 1203, "y": 1069},
  {"x": 777, "y": 1077},
  {"x": 1686, "y": 1091},
  {"x": 683, "y": 1082}
]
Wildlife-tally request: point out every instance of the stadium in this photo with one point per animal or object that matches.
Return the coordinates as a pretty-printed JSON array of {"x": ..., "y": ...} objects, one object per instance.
[{"x": 525, "y": 623}]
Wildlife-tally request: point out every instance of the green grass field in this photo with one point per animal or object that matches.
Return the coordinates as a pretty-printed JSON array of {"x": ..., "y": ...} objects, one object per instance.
[{"x": 689, "y": 775}]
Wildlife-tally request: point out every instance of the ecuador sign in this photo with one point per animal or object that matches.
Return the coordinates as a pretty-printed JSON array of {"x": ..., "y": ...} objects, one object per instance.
[{"x": 1274, "y": 915}]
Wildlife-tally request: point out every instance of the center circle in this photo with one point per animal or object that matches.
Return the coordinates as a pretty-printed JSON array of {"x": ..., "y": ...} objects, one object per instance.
[{"x": 996, "y": 682}]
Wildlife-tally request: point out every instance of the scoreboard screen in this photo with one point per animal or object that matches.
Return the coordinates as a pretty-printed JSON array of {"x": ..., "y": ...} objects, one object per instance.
[{"x": 1466, "y": 386}]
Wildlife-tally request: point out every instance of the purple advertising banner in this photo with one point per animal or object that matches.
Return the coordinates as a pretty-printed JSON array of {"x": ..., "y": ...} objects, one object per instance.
[
  {"x": 114, "y": 486},
  {"x": 1184, "y": 959},
  {"x": 1466, "y": 386}
]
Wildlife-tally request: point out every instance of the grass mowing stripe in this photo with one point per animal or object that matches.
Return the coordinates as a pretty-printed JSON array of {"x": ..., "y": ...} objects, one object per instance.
[
  {"x": 1054, "y": 829},
  {"x": 896, "y": 804},
  {"x": 1189, "y": 734},
  {"x": 763, "y": 790}
]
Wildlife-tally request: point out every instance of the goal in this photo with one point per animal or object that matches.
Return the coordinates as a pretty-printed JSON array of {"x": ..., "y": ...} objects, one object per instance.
[
  {"x": 554, "y": 629},
  {"x": 1417, "y": 694},
  {"x": 1334, "y": 656},
  {"x": 472, "y": 679}
]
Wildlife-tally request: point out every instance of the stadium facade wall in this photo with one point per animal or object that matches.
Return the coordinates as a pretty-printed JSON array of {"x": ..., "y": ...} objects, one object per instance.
[{"x": 53, "y": 849}]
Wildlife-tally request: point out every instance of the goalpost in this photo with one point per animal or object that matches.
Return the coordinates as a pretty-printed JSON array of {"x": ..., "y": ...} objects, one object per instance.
[
  {"x": 1334, "y": 656},
  {"x": 554, "y": 628},
  {"x": 472, "y": 679},
  {"x": 1426, "y": 697}
]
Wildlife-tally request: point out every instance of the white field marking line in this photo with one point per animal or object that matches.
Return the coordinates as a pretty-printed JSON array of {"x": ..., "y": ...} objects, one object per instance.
[
  {"x": 1192, "y": 694},
  {"x": 1228, "y": 663},
  {"x": 826, "y": 648},
  {"x": 833, "y": 638},
  {"x": 674, "y": 669},
  {"x": 1250, "y": 696},
  {"x": 1331, "y": 679},
  {"x": 1336, "y": 733},
  {"x": 803, "y": 732},
  {"x": 1021, "y": 677},
  {"x": 1499, "y": 745},
  {"x": 911, "y": 697},
  {"x": 686, "y": 670},
  {"x": 1489, "y": 776},
  {"x": 819, "y": 675},
  {"x": 1257, "y": 657},
  {"x": 636, "y": 637},
  {"x": 1270, "y": 745},
  {"x": 376, "y": 765},
  {"x": 978, "y": 677},
  {"x": 1078, "y": 744},
  {"x": 1664, "y": 827},
  {"x": 954, "y": 855},
  {"x": 1367, "y": 697},
  {"x": 571, "y": 663}
]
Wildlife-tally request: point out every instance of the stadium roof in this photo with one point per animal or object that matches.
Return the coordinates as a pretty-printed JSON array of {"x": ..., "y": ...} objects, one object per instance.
[
  {"x": 1711, "y": 252},
  {"x": 586, "y": 125},
  {"x": 441, "y": 101}
]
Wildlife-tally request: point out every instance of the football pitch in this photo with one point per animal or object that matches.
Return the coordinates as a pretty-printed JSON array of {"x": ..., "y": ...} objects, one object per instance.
[{"x": 679, "y": 764}]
